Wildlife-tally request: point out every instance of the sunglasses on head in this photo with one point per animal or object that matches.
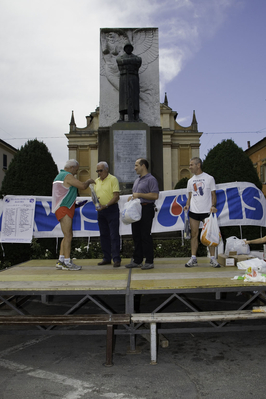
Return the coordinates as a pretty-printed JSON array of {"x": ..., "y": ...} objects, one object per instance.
[{"x": 99, "y": 170}]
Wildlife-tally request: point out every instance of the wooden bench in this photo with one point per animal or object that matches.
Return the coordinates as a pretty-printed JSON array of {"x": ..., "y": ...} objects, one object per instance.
[
  {"x": 69, "y": 320},
  {"x": 189, "y": 317}
]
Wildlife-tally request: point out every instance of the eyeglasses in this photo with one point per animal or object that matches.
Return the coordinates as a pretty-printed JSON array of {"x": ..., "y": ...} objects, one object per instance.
[{"x": 99, "y": 170}]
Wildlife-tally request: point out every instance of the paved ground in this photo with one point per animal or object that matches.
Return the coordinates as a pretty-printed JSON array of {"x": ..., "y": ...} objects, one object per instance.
[{"x": 194, "y": 366}]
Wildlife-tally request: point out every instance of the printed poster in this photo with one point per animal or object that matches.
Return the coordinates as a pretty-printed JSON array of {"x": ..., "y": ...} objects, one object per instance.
[{"x": 18, "y": 219}]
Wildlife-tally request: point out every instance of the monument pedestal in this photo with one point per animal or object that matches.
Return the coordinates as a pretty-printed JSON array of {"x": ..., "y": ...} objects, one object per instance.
[
  {"x": 125, "y": 142},
  {"x": 129, "y": 141}
]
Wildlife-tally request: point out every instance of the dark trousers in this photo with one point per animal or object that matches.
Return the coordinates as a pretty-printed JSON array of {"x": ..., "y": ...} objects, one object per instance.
[
  {"x": 108, "y": 220},
  {"x": 141, "y": 232}
]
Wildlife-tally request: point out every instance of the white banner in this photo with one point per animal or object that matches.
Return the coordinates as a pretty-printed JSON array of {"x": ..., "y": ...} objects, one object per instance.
[
  {"x": 238, "y": 204},
  {"x": 18, "y": 219}
]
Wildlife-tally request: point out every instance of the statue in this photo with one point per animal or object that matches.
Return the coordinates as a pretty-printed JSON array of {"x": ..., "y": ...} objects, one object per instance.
[
  {"x": 145, "y": 44},
  {"x": 128, "y": 65}
]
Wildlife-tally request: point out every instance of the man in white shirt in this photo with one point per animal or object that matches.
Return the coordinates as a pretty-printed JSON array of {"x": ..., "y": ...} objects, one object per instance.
[{"x": 201, "y": 203}]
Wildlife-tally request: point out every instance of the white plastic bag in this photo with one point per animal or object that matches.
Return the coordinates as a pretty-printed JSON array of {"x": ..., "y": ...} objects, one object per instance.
[
  {"x": 236, "y": 244},
  {"x": 132, "y": 211},
  {"x": 254, "y": 262},
  {"x": 253, "y": 274},
  {"x": 210, "y": 233}
]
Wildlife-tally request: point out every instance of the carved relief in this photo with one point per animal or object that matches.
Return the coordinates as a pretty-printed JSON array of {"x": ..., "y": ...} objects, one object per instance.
[{"x": 145, "y": 43}]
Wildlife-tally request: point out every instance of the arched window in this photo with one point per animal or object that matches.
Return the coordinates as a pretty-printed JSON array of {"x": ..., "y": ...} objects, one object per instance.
[{"x": 184, "y": 173}]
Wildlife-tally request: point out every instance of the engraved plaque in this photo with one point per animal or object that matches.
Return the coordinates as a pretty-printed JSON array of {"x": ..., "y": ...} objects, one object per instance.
[{"x": 129, "y": 145}]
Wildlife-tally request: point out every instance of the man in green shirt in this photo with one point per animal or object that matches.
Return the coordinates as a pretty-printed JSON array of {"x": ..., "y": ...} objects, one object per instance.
[{"x": 64, "y": 194}]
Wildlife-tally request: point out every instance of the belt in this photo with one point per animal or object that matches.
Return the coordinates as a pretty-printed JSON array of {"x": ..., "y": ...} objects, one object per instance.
[{"x": 147, "y": 203}]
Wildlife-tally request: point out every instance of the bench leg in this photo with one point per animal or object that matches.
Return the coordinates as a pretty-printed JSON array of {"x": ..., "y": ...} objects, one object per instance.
[
  {"x": 132, "y": 343},
  {"x": 153, "y": 335},
  {"x": 45, "y": 298},
  {"x": 109, "y": 345}
]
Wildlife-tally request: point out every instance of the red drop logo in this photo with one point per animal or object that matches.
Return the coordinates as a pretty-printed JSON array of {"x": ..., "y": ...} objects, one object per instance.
[{"x": 176, "y": 209}]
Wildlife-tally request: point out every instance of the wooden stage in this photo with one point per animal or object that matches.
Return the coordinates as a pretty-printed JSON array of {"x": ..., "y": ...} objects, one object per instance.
[
  {"x": 41, "y": 276},
  {"x": 197, "y": 289}
]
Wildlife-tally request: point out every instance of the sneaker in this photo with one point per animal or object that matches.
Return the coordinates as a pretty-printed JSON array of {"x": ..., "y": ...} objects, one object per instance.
[
  {"x": 59, "y": 265},
  {"x": 147, "y": 266},
  {"x": 71, "y": 266},
  {"x": 133, "y": 264},
  {"x": 214, "y": 263},
  {"x": 192, "y": 262}
]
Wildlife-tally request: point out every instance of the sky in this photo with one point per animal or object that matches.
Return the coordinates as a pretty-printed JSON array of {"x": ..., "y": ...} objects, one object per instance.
[{"x": 212, "y": 60}]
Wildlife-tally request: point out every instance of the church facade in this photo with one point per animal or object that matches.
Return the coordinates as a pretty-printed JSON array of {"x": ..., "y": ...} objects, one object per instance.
[{"x": 180, "y": 144}]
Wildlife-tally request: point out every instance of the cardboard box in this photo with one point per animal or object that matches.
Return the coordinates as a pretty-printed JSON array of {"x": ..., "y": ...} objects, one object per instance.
[
  {"x": 240, "y": 258},
  {"x": 225, "y": 260},
  {"x": 232, "y": 258}
]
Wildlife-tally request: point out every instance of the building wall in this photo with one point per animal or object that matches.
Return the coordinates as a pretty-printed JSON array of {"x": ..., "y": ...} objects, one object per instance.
[
  {"x": 83, "y": 146},
  {"x": 7, "y": 153},
  {"x": 257, "y": 154},
  {"x": 180, "y": 144}
]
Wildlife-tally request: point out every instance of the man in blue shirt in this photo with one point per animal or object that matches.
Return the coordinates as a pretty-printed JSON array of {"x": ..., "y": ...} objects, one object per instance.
[{"x": 146, "y": 189}]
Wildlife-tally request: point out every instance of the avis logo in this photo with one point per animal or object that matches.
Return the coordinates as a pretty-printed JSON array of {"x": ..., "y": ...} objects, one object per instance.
[
  {"x": 171, "y": 209},
  {"x": 85, "y": 217},
  {"x": 234, "y": 205}
]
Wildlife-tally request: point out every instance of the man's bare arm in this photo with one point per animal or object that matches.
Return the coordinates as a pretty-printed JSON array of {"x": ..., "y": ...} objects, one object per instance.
[
  {"x": 147, "y": 196},
  {"x": 186, "y": 207},
  {"x": 214, "y": 200},
  {"x": 70, "y": 180}
]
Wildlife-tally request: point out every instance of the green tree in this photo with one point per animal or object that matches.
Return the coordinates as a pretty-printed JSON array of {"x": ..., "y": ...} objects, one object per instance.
[
  {"x": 31, "y": 171},
  {"x": 227, "y": 162},
  {"x": 182, "y": 183}
]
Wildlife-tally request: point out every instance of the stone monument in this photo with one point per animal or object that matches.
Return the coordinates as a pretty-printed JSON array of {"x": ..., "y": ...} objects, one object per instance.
[{"x": 129, "y": 125}]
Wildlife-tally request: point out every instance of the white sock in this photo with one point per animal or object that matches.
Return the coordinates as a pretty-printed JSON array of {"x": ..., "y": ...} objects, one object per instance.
[
  {"x": 61, "y": 258},
  {"x": 67, "y": 260},
  {"x": 193, "y": 257}
]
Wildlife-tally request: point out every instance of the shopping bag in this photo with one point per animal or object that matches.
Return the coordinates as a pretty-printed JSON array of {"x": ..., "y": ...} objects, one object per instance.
[
  {"x": 236, "y": 244},
  {"x": 187, "y": 234},
  {"x": 132, "y": 211},
  {"x": 210, "y": 233}
]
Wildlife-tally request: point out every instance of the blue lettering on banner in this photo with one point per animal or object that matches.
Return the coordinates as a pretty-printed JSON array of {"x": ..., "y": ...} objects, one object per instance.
[
  {"x": 234, "y": 203},
  {"x": 221, "y": 198},
  {"x": 46, "y": 222},
  {"x": 76, "y": 223},
  {"x": 90, "y": 212},
  {"x": 251, "y": 197},
  {"x": 43, "y": 221},
  {"x": 171, "y": 208}
]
